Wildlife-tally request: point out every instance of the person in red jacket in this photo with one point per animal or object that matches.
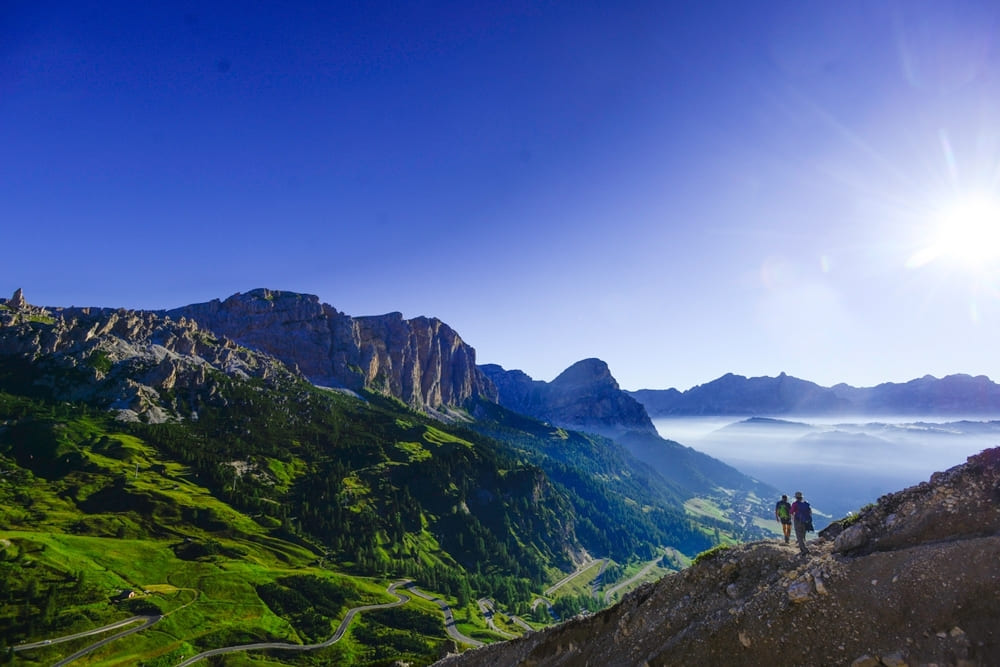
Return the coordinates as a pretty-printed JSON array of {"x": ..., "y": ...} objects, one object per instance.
[{"x": 801, "y": 520}]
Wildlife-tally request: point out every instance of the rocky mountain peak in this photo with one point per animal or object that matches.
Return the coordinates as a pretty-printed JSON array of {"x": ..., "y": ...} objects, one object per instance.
[
  {"x": 18, "y": 307},
  {"x": 585, "y": 397},
  {"x": 909, "y": 580},
  {"x": 17, "y": 301},
  {"x": 588, "y": 373}
]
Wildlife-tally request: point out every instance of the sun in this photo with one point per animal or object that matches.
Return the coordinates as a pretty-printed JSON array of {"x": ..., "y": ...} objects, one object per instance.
[{"x": 966, "y": 233}]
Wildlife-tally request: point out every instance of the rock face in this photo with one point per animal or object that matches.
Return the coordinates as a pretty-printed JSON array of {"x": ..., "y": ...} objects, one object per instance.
[
  {"x": 421, "y": 361},
  {"x": 124, "y": 360},
  {"x": 584, "y": 397},
  {"x": 912, "y": 580}
]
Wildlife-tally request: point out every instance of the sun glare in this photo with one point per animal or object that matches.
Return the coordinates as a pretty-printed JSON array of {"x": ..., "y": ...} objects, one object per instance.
[{"x": 968, "y": 232}]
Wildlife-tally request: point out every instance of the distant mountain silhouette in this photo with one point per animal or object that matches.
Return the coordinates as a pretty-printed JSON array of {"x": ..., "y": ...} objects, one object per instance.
[
  {"x": 951, "y": 395},
  {"x": 736, "y": 395}
]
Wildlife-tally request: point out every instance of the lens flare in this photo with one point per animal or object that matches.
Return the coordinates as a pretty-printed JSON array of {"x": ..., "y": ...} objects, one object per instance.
[{"x": 968, "y": 233}]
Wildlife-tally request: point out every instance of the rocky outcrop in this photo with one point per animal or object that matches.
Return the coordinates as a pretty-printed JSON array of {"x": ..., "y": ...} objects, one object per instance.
[
  {"x": 911, "y": 580},
  {"x": 124, "y": 360},
  {"x": 584, "y": 397},
  {"x": 421, "y": 361}
]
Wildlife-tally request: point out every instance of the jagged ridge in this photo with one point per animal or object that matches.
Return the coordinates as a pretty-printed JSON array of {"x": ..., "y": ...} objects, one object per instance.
[{"x": 122, "y": 359}]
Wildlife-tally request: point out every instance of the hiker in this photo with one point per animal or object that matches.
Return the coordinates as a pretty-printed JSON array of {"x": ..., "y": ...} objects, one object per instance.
[
  {"x": 783, "y": 513},
  {"x": 802, "y": 519}
]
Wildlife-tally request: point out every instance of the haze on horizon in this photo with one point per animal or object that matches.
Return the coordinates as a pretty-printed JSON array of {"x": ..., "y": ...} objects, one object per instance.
[
  {"x": 840, "y": 463},
  {"x": 682, "y": 191}
]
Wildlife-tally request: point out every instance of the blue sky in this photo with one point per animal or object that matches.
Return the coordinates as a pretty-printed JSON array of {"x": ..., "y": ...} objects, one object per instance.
[{"x": 680, "y": 189}]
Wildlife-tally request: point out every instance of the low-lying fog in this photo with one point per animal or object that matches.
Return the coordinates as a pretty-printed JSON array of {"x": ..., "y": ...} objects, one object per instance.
[{"x": 839, "y": 465}]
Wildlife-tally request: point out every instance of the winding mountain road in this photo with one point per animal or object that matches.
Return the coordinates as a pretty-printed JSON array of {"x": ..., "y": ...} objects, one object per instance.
[
  {"x": 88, "y": 633},
  {"x": 147, "y": 621},
  {"x": 449, "y": 617},
  {"x": 487, "y": 610},
  {"x": 548, "y": 605},
  {"x": 401, "y": 598}
]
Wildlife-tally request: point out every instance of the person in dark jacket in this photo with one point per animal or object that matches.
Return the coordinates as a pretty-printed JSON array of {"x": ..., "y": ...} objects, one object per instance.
[{"x": 801, "y": 520}]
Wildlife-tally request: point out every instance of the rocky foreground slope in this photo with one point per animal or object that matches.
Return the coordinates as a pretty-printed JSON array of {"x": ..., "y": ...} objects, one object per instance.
[{"x": 912, "y": 580}]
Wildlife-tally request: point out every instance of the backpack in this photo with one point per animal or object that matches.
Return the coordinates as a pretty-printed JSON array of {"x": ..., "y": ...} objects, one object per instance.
[
  {"x": 782, "y": 510},
  {"x": 804, "y": 515}
]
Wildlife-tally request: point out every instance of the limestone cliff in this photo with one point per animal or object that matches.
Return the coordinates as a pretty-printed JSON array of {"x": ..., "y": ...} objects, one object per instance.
[
  {"x": 911, "y": 580},
  {"x": 421, "y": 361}
]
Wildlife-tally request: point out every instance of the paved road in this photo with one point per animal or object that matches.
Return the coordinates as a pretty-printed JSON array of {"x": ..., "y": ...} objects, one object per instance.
[
  {"x": 401, "y": 598},
  {"x": 595, "y": 584},
  {"x": 146, "y": 621},
  {"x": 583, "y": 568},
  {"x": 149, "y": 620},
  {"x": 88, "y": 633},
  {"x": 487, "y": 610},
  {"x": 617, "y": 587},
  {"x": 449, "y": 618},
  {"x": 524, "y": 624},
  {"x": 548, "y": 605}
]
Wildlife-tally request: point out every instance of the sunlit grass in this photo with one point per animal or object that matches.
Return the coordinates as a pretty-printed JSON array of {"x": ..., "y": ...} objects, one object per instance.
[{"x": 703, "y": 507}]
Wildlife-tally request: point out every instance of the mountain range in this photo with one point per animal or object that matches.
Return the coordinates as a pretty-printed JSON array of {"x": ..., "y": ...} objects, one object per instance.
[
  {"x": 736, "y": 395},
  {"x": 271, "y": 434},
  {"x": 149, "y": 451}
]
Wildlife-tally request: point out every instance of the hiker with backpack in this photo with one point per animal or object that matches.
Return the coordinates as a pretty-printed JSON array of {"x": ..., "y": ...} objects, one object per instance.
[
  {"x": 783, "y": 513},
  {"x": 802, "y": 520}
]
